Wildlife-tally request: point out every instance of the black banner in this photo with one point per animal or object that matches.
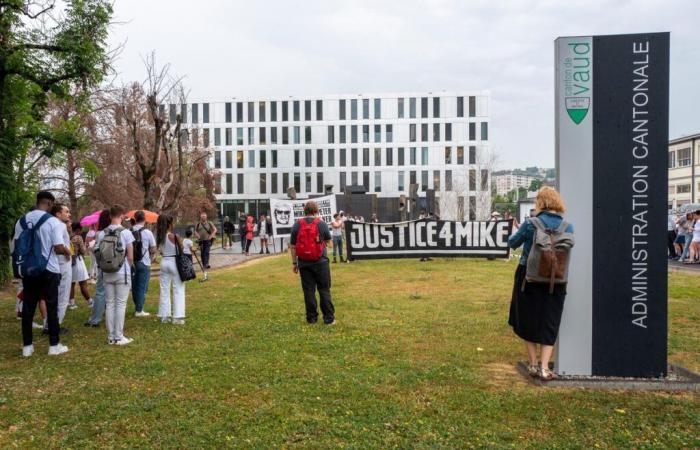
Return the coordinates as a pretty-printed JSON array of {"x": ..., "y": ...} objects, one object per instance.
[
  {"x": 423, "y": 238},
  {"x": 630, "y": 151}
]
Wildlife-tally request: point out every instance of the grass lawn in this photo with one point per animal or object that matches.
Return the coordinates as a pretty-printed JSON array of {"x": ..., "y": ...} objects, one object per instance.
[{"x": 421, "y": 357}]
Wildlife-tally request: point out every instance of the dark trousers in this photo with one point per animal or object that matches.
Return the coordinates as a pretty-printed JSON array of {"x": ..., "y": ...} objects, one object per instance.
[
  {"x": 204, "y": 247},
  {"x": 243, "y": 243},
  {"x": 317, "y": 277},
  {"x": 247, "y": 245},
  {"x": 671, "y": 248},
  {"x": 44, "y": 286}
]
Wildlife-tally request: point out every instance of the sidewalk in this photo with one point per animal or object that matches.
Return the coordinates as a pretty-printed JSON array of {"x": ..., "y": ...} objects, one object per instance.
[{"x": 675, "y": 266}]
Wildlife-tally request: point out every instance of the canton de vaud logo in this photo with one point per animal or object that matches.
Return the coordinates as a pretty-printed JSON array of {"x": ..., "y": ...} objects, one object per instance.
[{"x": 577, "y": 80}]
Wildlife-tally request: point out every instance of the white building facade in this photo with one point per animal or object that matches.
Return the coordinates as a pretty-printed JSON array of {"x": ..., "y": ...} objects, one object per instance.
[
  {"x": 384, "y": 142},
  {"x": 684, "y": 171},
  {"x": 507, "y": 182}
]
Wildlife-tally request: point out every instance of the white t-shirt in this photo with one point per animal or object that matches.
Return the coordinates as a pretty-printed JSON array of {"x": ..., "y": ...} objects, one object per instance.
[
  {"x": 147, "y": 241},
  {"x": 187, "y": 246},
  {"x": 63, "y": 260},
  {"x": 127, "y": 238},
  {"x": 51, "y": 233}
]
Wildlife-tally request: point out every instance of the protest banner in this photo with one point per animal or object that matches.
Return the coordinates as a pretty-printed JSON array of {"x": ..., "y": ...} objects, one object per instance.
[
  {"x": 423, "y": 238},
  {"x": 285, "y": 212}
]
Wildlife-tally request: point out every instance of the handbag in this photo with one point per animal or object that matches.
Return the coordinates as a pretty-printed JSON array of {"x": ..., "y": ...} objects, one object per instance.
[{"x": 185, "y": 268}]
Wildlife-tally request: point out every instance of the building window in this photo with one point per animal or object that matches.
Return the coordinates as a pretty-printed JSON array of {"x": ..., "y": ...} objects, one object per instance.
[
  {"x": 228, "y": 136},
  {"x": 472, "y": 132},
  {"x": 195, "y": 113},
  {"x": 436, "y": 132},
  {"x": 263, "y": 159},
  {"x": 401, "y": 112},
  {"x": 413, "y": 153},
  {"x": 448, "y": 131},
  {"x": 682, "y": 189},
  {"x": 273, "y": 135},
  {"x": 484, "y": 179},
  {"x": 262, "y": 136},
  {"x": 353, "y": 134},
  {"x": 239, "y": 188},
  {"x": 341, "y": 108},
  {"x": 343, "y": 138},
  {"x": 297, "y": 135},
  {"x": 377, "y": 181},
  {"x": 671, "y": 160},
  {"x": 343, "y": 181},
  {"x": 195, "y": 137},
  {"x": 285, "y": 135},
  {"x": 472, "y": 179},
  {"x": 472, "y": 207},
  {"x": 365, "y": 133},
  {"x": 285, "y": 182},
  {"x": 331, "y": 134},
  {"x": 484, "y": 131},
  {"x": 365, "y": 108},
  {"x": 472, "y": 106},
  {"x": 239, "y": 112},
  {"x": 365, "y": 181},
  {"x": 319, "y": 157},
  {"x": 436, "y": 180},
  {"x": 274, "y": 158},
  {"x": 319, "y": 109},
  {"x": 273, "y": 111},
  {"x": 251, "y": 135},
  {"x": 353, "y": 157},
  {"x": 308, "y": 158},
  {"x": 297, "y": 181},
  {"x": 377, "y": 157},
  {"x": 239, "y": 159},
  {"x": 448, "y": 155},
  {"x": 436, "y": 107},
  {"x": 448, "y": 180},
  {"x": 424, "y": 107},
  {"x": 285, "y": 112},
  {"x": 217, "y": 160},
  {"x": 229, "y": 160},
  {"x": 183, "y": 112},
  {"x": 307, "y": 135},
  {"x": 227, "y": 109},
  {"x": 377, "y": 108},
  {"x": 251, "y": 159},
  {"x": 319, "y": 182},
  {"x": 412, "y": 107},
  {"x": 205, "y": 112},
  {"x": 412, "y": 132},
  {"x": 377, "y": 133},
  {"x": 424, "y": 180},
  {"x": 424, "y": 132},
  {"x": 365, "y": 157},
  {"x": 263, "y": 183},
  {"x": 217, "y": 136},
  {"x": 331, "y": 157},
  {"x": 353, "y": 109},
  {"x": 390, "y": 133},
  {"x": 261, "y": 112},
  {"x": 273, "y": 183},
  {"x": 307, "y": 109},
  {"x": 424, "y": 156},
  {"x": 295, "y": 104},
  {"x": 173, "y": 113},
  {"x": 229, "y": 183},
  {"x": 343, "y": 158},
  {"x": 402, "y": 156},
  {"x": 205, "y": 137},
  {"x": 307, "y": 182},
  {"x": 251, "y": 112},
  {"x": 412, "y": 177},
  {"x": 239, "y": 136},
  {"x": 460, "y": 155},
  {"x": 472, "y": 154},
  {"x": 460, "y": 106},
  {"x": 296, "y": 158},
  {"x": 401, "y": 186},
  {"x": 684, "y": 157},
  {"x": 389, "y": 156}
]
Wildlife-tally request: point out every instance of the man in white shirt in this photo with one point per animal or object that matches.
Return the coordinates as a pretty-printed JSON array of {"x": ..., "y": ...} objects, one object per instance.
[
  {"x": 117, "y": 284},
  {"x": 46, "y": 283},
  {"x": 62, "y": 213},
  {"x": 144, "y": 253}
]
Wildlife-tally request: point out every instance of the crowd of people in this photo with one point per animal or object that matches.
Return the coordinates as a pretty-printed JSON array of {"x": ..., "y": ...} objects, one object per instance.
[
  {"x": 684, "y": 237},
  {"x": 247, "y": 228}
]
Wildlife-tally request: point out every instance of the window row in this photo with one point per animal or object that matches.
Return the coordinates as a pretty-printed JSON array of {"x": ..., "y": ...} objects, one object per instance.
[{"x": 680, "y": 158}]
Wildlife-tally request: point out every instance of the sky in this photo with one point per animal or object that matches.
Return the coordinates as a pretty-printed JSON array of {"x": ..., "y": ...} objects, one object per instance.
[{"x": 269, "y": 48}]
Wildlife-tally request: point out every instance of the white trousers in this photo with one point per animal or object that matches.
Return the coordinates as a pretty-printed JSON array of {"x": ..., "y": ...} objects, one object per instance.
[
  {"x": 64, "y": 289},
  {"x": 116, "y": 293},
  {"x": 170, "y": 278}
]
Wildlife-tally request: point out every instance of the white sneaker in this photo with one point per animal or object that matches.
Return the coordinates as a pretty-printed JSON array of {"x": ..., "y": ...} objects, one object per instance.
[
  {"x": 57, "y": 349},
  {"x": 124, "y": 341},
  {"x": 28, "y": 350},
  {"x": 178, "y": 321},
  {"x": 165, "y": 320},
  {"x": 37, "y": 326},
  {"x": 73, "y": 306},
  {"x": 142, "y": 314}
]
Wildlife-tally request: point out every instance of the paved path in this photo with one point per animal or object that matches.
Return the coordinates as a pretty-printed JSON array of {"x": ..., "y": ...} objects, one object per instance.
[{"x": 675, "y": 266}]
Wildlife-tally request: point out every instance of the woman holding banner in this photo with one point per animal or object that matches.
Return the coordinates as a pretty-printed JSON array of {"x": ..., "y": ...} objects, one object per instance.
[{"x": 536, "y": 308}]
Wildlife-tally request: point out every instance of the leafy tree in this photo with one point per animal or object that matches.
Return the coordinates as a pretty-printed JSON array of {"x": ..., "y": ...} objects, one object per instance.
[
  {"x": 536, "y": 185},
  {"x": 45, "y": 50}
]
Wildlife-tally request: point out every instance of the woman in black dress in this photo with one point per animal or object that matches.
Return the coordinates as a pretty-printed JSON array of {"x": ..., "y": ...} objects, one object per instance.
[{"x": 535, "y": 313}]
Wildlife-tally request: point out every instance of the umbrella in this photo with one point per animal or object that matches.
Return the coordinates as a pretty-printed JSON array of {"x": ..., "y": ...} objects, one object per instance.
[
  {"x": 151, "y": 217},
  {"x": 90, "y": 220}
]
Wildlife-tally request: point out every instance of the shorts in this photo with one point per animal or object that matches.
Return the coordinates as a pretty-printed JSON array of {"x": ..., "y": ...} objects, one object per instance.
[{"x": 680, "y": 239}]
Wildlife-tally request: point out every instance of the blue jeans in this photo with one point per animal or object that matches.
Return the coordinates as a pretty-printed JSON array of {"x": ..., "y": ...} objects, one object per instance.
[
  {"x": 98, "y": 304},
  {"x": 686, "y": 246},
  {"x": 338, "y": 246},
  {"x": 139, "y": 284}
]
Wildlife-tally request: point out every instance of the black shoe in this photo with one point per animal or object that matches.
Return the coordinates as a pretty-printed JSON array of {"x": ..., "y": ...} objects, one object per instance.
[
  {"x": 45, "y": 331},
  {"x": 267, "y": 251},
  {"x": 208, "y": 266},
  {"x": 261, "y": 252},
  {"x": 311, "y": 322},
  {"x": 90, "y": 324}
]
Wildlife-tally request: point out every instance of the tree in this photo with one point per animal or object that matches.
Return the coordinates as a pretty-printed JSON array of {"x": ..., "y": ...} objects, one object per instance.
[
  {"x": 43, "y": 52},
  {"x": 535, "y": 185}
]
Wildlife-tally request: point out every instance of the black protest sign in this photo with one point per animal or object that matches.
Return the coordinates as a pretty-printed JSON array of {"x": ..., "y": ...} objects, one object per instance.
[{"x": 423, "y": 238}]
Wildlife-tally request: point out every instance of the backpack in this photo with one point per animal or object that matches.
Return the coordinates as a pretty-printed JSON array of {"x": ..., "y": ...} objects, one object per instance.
[
  {"x": 548, "y": 261},
  {"x": 27, "y": 258},
  {"x": 309, "y": 246},
  {"x": 110, "y": 253},
  {"x": 138, "y": 245},
  {"x": 185, "y": 268}
]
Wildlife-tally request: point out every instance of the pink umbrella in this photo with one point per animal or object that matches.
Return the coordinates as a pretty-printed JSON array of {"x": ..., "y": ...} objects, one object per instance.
[{"x": 90, "y": 220}]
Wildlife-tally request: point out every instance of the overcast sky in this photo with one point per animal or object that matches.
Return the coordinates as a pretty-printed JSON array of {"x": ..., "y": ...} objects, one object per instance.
[{"x": 229, "y": 48}]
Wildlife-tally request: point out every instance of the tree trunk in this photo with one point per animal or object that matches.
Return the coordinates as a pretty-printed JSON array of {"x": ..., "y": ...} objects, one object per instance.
[{"x": 71, "y": 188}]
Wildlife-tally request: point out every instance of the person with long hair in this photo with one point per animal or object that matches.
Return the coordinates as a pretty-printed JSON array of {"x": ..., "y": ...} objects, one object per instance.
[
  {"x": 80, "y": 273},
  {"x": 171, "y": 307},
  {"x": 535, "y": 311},
  {"x": 694, "y": 257},
  {"x": 98, "y": 302}
]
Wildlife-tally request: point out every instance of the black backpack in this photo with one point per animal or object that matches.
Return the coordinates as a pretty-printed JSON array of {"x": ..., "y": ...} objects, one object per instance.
[{"x": 138, "y": 245}]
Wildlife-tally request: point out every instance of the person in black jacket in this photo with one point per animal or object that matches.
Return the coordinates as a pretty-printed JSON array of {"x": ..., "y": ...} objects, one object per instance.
[
  {"x": 242, "y": 230},
  {"x": 229, "y": 229}
]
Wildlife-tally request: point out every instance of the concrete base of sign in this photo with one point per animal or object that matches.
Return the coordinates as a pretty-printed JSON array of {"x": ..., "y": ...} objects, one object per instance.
[{"x": 679, "y": 379}]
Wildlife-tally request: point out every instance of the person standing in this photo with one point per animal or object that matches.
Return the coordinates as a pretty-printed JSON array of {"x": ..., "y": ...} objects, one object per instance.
[
  {"x": 228, "y": 230},
  {"x": 187, "y": 244},
  {"x": 90, "y": 242},
  {"x": 536, "y": 308},
  {"x": 169, "y": 245},
  {"x": 115, "y": 251},
  {"x": 62, "y": 213},
  {"x": 262, "y": 234},
  {"x": 42, "y": 281},
  {"x": 206, "y": 232},
  {"x": 337, "y": 233},
  {"x": 80, "y": 273},
  {"x": 309, "y": 259},
  {"x": 671, "y": 236},
  {"x": 242, "y": 220},
  {"x": 144, "y": 252},
  {"x": 249, "y": 229},
  {"x": 98, "y": 303}
]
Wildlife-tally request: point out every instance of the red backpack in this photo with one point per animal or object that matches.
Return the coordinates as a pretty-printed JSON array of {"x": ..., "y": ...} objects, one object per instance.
[{"x": 309, "y": 246}]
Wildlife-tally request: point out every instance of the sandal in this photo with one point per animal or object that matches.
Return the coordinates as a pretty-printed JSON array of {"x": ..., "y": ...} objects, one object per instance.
[
  {"x": 533, "y": 370},
  {"x": 546, "y": 374}
]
